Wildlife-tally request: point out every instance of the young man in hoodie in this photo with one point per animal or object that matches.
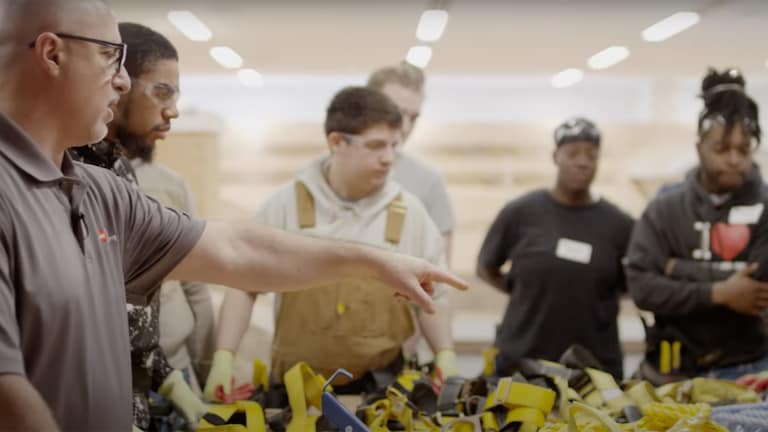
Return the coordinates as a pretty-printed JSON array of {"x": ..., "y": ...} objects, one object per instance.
[
  {"x": 697, "y": 257},
  {"x": 347, "y": 196}
]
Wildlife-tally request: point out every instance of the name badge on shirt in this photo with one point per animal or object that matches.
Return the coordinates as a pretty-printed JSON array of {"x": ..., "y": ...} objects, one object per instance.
[
  {"x": 572, "y": 250},
  {"x": 745, "y": 215}
]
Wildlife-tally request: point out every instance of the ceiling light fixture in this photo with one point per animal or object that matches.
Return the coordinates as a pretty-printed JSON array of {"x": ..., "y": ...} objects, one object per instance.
[
  {"x": 189, "y": 25},
  {"x": 567, "y": 78},
  {"x": 226, "y": 57},
  {"x": 419, "y": 56},
  {"x": 608, "y": 57},
  {"x": 250, "y": 78},
  {"x": 432, "y": 25},
  {"x": 670, "y": 26}
]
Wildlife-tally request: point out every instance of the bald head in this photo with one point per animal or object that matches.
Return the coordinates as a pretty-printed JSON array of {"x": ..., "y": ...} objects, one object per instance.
[
  {"x": 56, "y": 55},
  {"x": 22, "y": 20}
]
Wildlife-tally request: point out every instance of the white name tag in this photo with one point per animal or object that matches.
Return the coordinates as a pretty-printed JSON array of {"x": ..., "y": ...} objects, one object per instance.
[
  {"x": 572, "y": 250},
  {"x": 745, "y": 215}
]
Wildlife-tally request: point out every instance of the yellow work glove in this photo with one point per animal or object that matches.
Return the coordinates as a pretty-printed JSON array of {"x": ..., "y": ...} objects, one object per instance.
[
  {"x": 220, "y": 375},
  {"x": 135, "y": 429},
  {"x": 445, "y": 361},
  {"x": 176, "y": 390}
]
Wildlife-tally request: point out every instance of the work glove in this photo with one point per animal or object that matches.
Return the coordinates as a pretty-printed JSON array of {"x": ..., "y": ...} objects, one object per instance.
[
  {"x": 445, "y": 361},
  {"x": 176, "y": 390},
  {"x": 221, "y": 374}
]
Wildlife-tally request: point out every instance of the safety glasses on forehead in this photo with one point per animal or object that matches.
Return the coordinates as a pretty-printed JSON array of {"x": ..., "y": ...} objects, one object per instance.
[
  {"x": 576, "y": 130},
  {"x": 121, "y": 48}
]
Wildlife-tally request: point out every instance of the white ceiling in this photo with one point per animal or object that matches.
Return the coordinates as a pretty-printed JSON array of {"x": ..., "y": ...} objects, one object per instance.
[{"x": 514, "y": 37}]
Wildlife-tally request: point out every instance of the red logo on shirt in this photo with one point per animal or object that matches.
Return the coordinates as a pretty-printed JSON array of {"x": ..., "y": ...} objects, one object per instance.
[
  {"x": 728, "y": 241},
  {"x": 104, "y": 236}
]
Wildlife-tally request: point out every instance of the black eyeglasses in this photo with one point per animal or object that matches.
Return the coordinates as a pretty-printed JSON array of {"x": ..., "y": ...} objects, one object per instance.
[{"x": 121, "y": 48}]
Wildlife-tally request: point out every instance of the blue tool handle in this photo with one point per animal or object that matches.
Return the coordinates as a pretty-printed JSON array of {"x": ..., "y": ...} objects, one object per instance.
[{"x": 340, "y": 417}]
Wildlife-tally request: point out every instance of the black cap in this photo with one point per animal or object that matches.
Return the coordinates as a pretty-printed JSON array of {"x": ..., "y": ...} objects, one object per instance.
[{"x": 577, "y": 129}]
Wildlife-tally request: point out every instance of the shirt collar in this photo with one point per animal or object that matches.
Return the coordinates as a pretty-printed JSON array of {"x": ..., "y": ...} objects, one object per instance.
[{"x": 25, "y": 153}]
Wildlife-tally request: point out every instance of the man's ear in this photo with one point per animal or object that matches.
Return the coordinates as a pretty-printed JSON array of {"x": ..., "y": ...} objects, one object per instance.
[
  {"x": 49, "y": 53},
  {"x": 335, "y": 141}
]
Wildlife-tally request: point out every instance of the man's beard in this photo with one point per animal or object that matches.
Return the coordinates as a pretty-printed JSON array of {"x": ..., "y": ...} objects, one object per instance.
[{"x": 135, "y": 146}]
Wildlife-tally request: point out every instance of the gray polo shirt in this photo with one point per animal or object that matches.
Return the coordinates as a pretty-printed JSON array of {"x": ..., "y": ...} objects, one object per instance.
[
  {"x": 428, "y": 186},
  {"x": 73, "y": 243}
]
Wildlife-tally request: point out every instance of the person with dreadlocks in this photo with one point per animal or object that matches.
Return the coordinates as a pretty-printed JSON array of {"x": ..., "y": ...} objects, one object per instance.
[
  {"x": 565, "y": 246},
  {"x": 697, "y": 255},
  {"x": 142, "y": 117}
]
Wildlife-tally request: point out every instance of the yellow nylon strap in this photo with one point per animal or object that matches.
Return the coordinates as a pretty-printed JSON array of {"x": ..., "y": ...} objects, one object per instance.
[
  {"x": 706, "y": 390},
  {"x": 526, "y": 416},
  {"x": 395, "y": 219},
  {"x": 525, "y": 403},
  {"x": 663, "y": 416},
  {"x": 464, "y": 424},
  {"x": 408, "y": 379},
  {"x": 305, "y": 206},
  {"x": 665, "y": 357},
  {"x": 399, "y": 408},
  {"x": 642, "y": 394},
  {"x": 376, "y": 415},
  {"x": 676, "y": 348},
  {"x": 305, "y": 395},
  {"x": 483, "y": 422},
  {"x": 593, "y": 415},
  {"x": 711, "y": 391},
  {"x": 609, "y": 392},
  {"x": 567, "y": 395},
  {"x": 402, "y": 410},
  {"x": 489, "y": 360},
  {"x": 260, "y": 374},
  {"x": 254, "y": 418}
]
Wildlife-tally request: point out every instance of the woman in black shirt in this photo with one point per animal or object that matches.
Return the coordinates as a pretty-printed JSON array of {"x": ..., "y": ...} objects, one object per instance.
[{"x": 565, "y": 246}]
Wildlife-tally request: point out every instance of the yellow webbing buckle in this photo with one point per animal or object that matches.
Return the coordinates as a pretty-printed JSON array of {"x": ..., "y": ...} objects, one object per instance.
[
  {"x": 526, "y": 403},
  {"x": 305, "y": 395}
]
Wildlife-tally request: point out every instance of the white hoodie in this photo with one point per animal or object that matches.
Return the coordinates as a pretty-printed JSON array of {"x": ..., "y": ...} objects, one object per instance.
[{"x": 362, "y": 221}]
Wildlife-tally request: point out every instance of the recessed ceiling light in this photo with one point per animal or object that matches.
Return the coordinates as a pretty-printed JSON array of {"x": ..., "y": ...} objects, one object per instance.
[
  {"x": 226, "y": 57},
  {"x": 608, "y": 57},
  {"x": 432, "y": 25},
  {"x": 419, "y": 56},
  {"x": 567, "y": 77},
  {"x": 250, "y": 78},
  {"x": 189, "y": 25},
  {"x": 670, "y": 26}
]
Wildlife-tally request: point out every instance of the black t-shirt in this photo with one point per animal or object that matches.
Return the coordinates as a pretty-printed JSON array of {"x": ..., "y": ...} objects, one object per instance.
[{"x": 565, "y": 279}]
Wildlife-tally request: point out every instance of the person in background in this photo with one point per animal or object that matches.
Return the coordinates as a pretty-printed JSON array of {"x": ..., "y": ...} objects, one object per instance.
[
  {"x": 565, "y": 246},
  {"x": 697, "y": 255},
  {"x": 347, "y": 195},
  {"x": 143, "y": 116},
  {"x": 404, "y": 84}
]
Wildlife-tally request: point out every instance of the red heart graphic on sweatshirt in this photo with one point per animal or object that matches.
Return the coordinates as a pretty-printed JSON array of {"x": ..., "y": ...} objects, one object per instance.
[{"x": 728, "y": 241}]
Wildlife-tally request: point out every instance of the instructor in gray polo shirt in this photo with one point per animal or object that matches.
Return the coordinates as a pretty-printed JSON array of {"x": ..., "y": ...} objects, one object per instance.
[{"x": 75, "y": 240}]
